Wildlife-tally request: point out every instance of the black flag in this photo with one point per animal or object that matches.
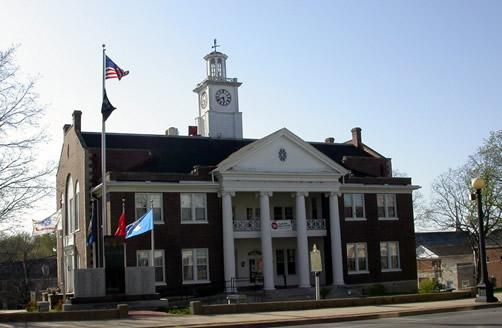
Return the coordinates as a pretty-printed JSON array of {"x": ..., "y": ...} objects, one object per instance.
[{"x": 106, "y": 107}]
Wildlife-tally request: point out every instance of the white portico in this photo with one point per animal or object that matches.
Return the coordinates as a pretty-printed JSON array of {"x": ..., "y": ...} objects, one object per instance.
[{"x": 274, "y": 180}]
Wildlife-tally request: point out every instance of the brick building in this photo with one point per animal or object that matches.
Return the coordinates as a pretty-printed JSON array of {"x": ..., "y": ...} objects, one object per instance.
[{"x": 231, "y": 212}]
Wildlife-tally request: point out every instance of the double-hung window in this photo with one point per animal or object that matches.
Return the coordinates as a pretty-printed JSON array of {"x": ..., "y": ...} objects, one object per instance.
[
  {"x": 143, "y": 259},
  {"x": 353, "y": 206},
  {"x": 357, "y": 258},
  {"x": 195, "y": 265},
  {"x": 146, "y": 201},
  {"x": 389, "y": 256},
  {"x": 387, "y": 208},
  {"x": 193, "y": 208}
]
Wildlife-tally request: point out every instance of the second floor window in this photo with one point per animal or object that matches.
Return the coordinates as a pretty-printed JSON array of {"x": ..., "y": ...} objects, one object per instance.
[
  {"x": 353, "y": 206},
  {"x": 386, "y": 204},
  {"x": 193, "y": 208},
  {"x": 145, "y": 201}
]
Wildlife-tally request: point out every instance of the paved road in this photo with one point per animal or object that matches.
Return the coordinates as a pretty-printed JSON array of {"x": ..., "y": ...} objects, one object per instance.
[{"x": 479, "y": 318}]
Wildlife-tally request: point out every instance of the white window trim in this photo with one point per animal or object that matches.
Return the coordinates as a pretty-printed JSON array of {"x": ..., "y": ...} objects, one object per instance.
[
  {"x": 389, "y": 256},
  {"x": 355, "y": 218},
  {"x": 161, "y": 221},
  {"x": 357, "y": 262},
  {"x": 157, "y": 283},
  {"x": 194, "y": 267},
  {"x": 387, "y": 217},
  {"x": 193, "y": 220}
]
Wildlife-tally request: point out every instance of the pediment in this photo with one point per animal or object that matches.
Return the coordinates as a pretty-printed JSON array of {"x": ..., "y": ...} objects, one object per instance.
[{"x": 280, "y": 152}]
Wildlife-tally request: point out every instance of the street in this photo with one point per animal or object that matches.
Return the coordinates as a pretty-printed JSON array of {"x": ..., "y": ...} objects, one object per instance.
[{"x": 478, "y": 318}]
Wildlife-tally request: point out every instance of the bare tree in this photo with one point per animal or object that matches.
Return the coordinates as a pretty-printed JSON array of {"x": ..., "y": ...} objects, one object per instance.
[
  {"x": 22, "y": 182},
  {"x": 451, "y": 206}
]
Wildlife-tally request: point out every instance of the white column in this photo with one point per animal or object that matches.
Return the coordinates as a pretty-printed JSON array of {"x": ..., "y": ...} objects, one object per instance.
[
  {"x": 228, "y": 241},
  {"x": 336, "y": 239},
  {"x": 266, "y": 242},
  {"x": 302, "y": 244}
]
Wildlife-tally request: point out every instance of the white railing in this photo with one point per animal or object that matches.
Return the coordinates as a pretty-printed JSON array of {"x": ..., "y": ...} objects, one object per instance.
[{"x": 254, "y": 225}]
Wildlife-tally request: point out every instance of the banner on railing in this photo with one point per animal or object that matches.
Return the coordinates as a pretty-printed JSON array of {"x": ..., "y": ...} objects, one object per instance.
[{"x": 282, "y": 225}]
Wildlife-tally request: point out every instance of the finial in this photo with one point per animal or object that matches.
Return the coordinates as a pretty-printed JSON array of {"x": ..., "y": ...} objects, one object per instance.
[{"x": 215, "y": 45}]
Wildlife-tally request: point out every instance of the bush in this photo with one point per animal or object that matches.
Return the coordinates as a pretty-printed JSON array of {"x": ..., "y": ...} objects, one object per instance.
[
  {"x": 31, "y": 307},
  {"x": 427, "y": 286},
  {"x": 181, "y": 310}
]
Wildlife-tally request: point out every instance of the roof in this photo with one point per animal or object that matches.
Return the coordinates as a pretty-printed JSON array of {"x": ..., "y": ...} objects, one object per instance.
[
  {"x": 181, "y": 153},
  {"x": 445, "y": 243}
]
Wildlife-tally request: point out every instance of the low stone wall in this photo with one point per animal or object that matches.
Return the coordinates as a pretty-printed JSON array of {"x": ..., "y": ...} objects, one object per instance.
[
  {"x": 120, "y": 312},
  {"x": 197, "y": 308}
]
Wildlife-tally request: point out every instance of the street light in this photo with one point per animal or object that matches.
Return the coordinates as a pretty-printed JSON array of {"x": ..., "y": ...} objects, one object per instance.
[{"x": 485, "y": 288}]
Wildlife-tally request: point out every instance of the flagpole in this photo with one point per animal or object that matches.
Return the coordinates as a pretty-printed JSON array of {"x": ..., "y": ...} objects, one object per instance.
[
  {"x": 104, "y": 220},
  {"x": 152, "y": 235},
  {"x": 125, "y": 244},
  {"x": 95, "y": 237}
]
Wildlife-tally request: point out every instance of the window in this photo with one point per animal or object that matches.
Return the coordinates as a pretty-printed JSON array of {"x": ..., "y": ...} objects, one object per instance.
[
  {"x": 386, "y": 204},
  {"x": 77, "y": 205},
  {"x": 195, "y": 265},
  {"x": 353, "y": 205},
  {"x": 145, "y": 201},
  {"x": 313, "y": 208},
  {"x": 69, "y": 207},
  {"x": 283, "y": 213},
  {"x": 389, "y": 255},
  {"x": 143, "y": 259},
  {"x": 357, "y": 260},
  {"x": 291, "y": 261},
  {"x": 249, "y": 213},
  {"x": 279, "y": 262},
  {"x": 277, "y": 213},
  {"x": 193, "y": 208}
]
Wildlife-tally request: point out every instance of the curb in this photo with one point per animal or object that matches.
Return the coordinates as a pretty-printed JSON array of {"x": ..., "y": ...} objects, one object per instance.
[{"x": 337, "y": 318}]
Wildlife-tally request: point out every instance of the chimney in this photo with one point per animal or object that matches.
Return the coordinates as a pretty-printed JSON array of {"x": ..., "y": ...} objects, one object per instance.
[
  {"x": 356, "y": 138},
  {"x": 77, "y": 120},
  {"x": 192, "y": 130},
  {"x": 172, "y": 131},
  {"x": 66, "y": 127},
  {"x": 329, "y": 140}
]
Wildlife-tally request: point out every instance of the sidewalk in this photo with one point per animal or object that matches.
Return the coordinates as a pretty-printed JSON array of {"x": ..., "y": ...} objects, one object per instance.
[{"x": 144, "y": 319}]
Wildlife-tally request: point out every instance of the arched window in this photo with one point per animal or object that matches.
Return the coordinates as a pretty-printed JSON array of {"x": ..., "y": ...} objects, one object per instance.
[
  {"x": 219, "y": 69},
  {"x": 69, "y": 207},
  {"x": 212, "y": 66},
  {"x": 77, "y": 205}
]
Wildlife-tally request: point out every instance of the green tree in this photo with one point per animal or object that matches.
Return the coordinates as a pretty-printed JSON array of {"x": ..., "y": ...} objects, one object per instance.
[{"x": 22, "y": 182}]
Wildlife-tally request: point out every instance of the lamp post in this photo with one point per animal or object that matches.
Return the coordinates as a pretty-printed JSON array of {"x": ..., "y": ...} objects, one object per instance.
[{"x": 485, "y": 288}]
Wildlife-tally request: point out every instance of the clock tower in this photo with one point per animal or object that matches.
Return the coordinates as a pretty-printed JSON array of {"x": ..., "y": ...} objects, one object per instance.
[{"x": 219, "y": 115}]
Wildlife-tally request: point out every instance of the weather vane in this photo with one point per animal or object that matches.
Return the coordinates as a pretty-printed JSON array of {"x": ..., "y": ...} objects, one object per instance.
[{"x": 215, "y": 45}]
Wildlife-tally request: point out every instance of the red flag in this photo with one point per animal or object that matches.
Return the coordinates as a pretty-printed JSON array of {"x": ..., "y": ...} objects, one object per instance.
[{"x": 121, "y": 228}]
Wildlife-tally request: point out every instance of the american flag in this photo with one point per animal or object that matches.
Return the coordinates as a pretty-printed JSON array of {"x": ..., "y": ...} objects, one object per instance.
[{"x": 113, "y": 71}]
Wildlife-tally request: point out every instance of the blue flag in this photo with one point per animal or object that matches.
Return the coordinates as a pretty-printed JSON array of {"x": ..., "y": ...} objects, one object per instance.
[
  {"x": 92, "y": 231},
  {"x": 141, "y": 225}
]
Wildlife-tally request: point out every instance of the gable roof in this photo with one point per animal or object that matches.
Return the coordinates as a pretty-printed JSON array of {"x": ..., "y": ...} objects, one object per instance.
[
  {"x": 181, "y": 153},
  {"x": 255, "y": 147},
  {"x": 445, "y": 243}
]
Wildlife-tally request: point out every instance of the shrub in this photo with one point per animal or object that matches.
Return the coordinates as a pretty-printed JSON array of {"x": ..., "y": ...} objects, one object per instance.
[
  {"x": 427, "y": 286},
  {"x": 31, "y": 307}
]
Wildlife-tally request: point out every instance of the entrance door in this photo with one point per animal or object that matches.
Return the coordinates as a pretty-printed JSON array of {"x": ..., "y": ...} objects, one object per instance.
[{"x": 255, "y": 269}]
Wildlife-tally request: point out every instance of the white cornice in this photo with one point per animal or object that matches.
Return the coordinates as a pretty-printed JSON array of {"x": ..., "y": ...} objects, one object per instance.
[
  {"x": 145, "y": 186},
  {"x": 371, "y": 189}
]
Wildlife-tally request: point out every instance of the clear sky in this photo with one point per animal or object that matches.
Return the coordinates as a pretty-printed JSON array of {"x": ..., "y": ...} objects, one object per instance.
[{"x": 421, "y": 78}]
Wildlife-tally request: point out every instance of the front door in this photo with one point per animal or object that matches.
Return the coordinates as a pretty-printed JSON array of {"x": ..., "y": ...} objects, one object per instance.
[{"x": 255, "y": 269}]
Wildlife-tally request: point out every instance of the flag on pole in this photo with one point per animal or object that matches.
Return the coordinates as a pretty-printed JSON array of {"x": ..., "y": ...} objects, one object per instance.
[
  {"x": 121, "y": 227},
  {"x": 106, "y": 108},
  {"x": 141, "y": 225},
  {"x": 113, "y": 71},
  {"x": 47, "y": 225},
  {"x": 92, "y": 231}
]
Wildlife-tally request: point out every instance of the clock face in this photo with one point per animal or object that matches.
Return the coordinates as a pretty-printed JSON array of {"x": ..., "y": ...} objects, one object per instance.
[
  {"x": 223, "y": 97},
  {"x": 203, "y": 100}
]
